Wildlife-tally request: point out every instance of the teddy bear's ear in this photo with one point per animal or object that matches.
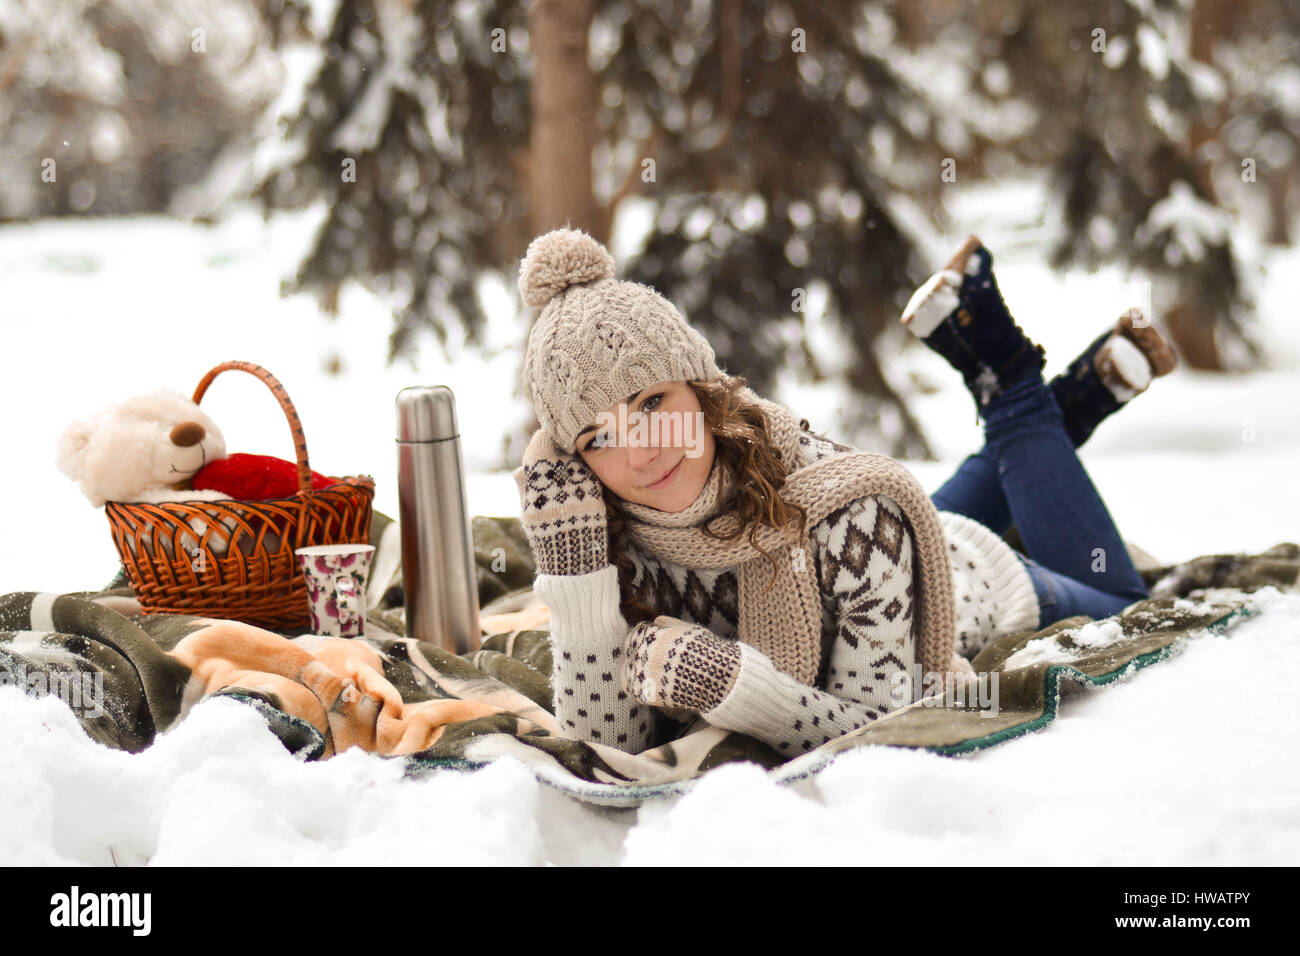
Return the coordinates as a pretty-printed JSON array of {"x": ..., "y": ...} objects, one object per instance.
[
  {"x": 70, "y": 454},
  {"x": 70, "y": 457}
]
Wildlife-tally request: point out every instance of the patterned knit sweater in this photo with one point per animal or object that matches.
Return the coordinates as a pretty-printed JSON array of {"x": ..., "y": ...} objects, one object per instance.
[{"x": 862, "y": 555}]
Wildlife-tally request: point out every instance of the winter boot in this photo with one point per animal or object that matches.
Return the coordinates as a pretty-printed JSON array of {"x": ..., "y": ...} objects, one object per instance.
[
  {"x": 960, "y": 314},
  {"x": 1118, "y": 365}
]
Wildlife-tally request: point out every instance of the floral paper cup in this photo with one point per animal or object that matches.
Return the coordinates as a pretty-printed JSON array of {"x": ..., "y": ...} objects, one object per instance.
[{"x": 336, "y": 586}]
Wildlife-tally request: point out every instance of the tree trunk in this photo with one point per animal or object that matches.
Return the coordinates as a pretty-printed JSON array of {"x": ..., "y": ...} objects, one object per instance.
[
  {"x": 563, "y": 118},
  {"x": 1191, "y": 329},
  {"x": 1211, "y": 22},
  {"x": 1193, "y": 335},
  {"x": 1279, "y": 227}
]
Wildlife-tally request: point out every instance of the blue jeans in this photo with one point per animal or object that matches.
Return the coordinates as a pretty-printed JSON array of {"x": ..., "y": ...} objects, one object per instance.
[{"x": 1028, "y": 473}]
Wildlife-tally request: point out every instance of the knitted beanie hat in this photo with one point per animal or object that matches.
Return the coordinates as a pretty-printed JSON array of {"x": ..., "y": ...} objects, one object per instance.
[{"x": 597, "y": 339}]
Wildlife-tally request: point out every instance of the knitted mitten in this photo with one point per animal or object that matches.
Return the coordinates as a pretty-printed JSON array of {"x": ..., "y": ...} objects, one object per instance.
[
  {"x": 563, "y": 509},
  {"x": 587, "y": 634},
  {"x": 791, "y": 717},
  {"x": 959, "y": 313},
  {"x": 670, "y": 663},
  {"x": 1117, "y": 366}
]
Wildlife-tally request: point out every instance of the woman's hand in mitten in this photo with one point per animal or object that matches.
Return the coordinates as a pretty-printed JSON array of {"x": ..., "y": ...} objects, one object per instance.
[
  {"x": 563, "y": 509},
  {"x": 670, "y": 663}
]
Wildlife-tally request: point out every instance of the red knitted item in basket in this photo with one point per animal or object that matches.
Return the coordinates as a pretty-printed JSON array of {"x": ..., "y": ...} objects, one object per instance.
[
  {"x": 255, "y": 477},
  {"x": 234, "y": 558}
]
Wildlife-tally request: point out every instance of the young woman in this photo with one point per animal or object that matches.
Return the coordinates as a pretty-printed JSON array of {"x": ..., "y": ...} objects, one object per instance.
[{"x": 736, "y": 566}]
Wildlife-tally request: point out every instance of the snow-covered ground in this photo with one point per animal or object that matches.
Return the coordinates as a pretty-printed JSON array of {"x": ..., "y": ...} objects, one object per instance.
[
  {"x": 1190, "y": 761},
  {"x": 1142, "y": 772}
]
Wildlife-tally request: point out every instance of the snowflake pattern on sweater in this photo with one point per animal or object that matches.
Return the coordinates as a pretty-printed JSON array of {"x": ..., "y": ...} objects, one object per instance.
[{"x": 862, "y": 554}]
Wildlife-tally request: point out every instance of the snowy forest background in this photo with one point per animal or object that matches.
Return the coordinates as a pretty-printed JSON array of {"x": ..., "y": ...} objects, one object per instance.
[{"x": 771, "y": 154}]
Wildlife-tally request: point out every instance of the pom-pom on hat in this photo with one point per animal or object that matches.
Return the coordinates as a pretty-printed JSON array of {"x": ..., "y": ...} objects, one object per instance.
[{"x": 598, "y": 339}]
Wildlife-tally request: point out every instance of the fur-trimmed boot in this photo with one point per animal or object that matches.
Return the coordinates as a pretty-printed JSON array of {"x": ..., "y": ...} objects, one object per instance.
[
  {"x": 960, "y": 314},
  {"x": 1117, "y": 366}
]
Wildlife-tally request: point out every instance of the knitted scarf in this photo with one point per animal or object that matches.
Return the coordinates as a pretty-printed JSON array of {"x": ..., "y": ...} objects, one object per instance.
[{"x": 785, "y": 620}]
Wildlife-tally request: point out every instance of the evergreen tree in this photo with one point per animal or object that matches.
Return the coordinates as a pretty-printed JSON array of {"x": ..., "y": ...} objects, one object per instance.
[
  {"x": 1130, "y": 186},
  {"x": 768, "y": 138},
  {"x": 110, "y": 107},
  {"x": 413, "y": 131},
  {"x": 780, "y": 148},
  {"x": 1257, "y": 132}
]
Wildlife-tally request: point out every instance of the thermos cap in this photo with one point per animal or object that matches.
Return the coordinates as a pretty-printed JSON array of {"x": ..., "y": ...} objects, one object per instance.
[{"x": 426, "y": 413}]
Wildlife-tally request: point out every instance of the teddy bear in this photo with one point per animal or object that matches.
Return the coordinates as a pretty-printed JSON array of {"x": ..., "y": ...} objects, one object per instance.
[
  {"x": 161, "y": 447},
  {"x": 146, "y": 448}
]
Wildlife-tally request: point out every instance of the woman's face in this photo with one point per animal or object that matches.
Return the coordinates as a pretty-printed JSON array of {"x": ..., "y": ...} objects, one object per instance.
[{"x": 653, "y": 449}]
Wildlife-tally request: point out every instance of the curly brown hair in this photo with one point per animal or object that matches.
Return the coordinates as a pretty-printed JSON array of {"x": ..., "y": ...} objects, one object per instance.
[{"x": 754, "y": 474}]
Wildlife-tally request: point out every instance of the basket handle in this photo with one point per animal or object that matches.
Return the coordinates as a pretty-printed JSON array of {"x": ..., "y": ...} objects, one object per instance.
[{"x": 290, "y": 413}]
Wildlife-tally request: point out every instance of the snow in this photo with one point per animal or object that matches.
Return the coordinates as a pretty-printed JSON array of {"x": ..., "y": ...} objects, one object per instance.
[
  {"x": 1144, "y": 771},
  {"x": 1152, "y": 52},
  {"x": 1193, "y": 223},
  {"x": 394, "y": 49},
  {"x": 1116, "y": 53},
  {"x": 1047, "y": 650}
]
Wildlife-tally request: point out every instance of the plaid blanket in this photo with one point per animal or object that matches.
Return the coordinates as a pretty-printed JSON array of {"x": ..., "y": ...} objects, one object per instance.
[{"x": 129, "y": 677}]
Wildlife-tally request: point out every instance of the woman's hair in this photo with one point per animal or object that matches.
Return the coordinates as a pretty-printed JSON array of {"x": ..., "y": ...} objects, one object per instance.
[{"x": 754, "y": 474}]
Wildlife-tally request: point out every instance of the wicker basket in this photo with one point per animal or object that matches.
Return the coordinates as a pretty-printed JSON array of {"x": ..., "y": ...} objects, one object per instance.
[{"x": 235, "y": 559}]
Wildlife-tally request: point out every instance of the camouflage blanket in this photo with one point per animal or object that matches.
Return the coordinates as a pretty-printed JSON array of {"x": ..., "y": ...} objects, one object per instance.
[{"x": 129, "y": 677}]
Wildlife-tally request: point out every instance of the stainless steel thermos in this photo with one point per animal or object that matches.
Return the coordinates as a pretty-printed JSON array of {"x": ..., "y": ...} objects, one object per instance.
[{"x": 438, "y": 571}]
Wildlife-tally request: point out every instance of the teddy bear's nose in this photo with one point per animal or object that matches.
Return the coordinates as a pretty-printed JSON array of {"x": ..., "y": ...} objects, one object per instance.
[{"x": 187, "y": 433}]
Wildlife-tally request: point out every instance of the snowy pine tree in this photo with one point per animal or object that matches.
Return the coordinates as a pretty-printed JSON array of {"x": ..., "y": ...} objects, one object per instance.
[
  {"x": 409, "y": 131},
  {"x": 1130, "y": 187},
  {"x": 784, "y": 148},
  {"x": 775, "y": 142},
  {"x": 111, "y": 106},
  {"x": 1258, "y": 128}
]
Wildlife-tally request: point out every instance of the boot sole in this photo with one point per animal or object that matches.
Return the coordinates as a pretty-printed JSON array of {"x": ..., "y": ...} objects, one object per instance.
[
  {"x": 1135, "y": 327},
  {"x": 939, "y": 293},
  {"x": 1120, "y": 375},
  {"x": 959, "y": 258},
  {"x": 932, "y": 302}
]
